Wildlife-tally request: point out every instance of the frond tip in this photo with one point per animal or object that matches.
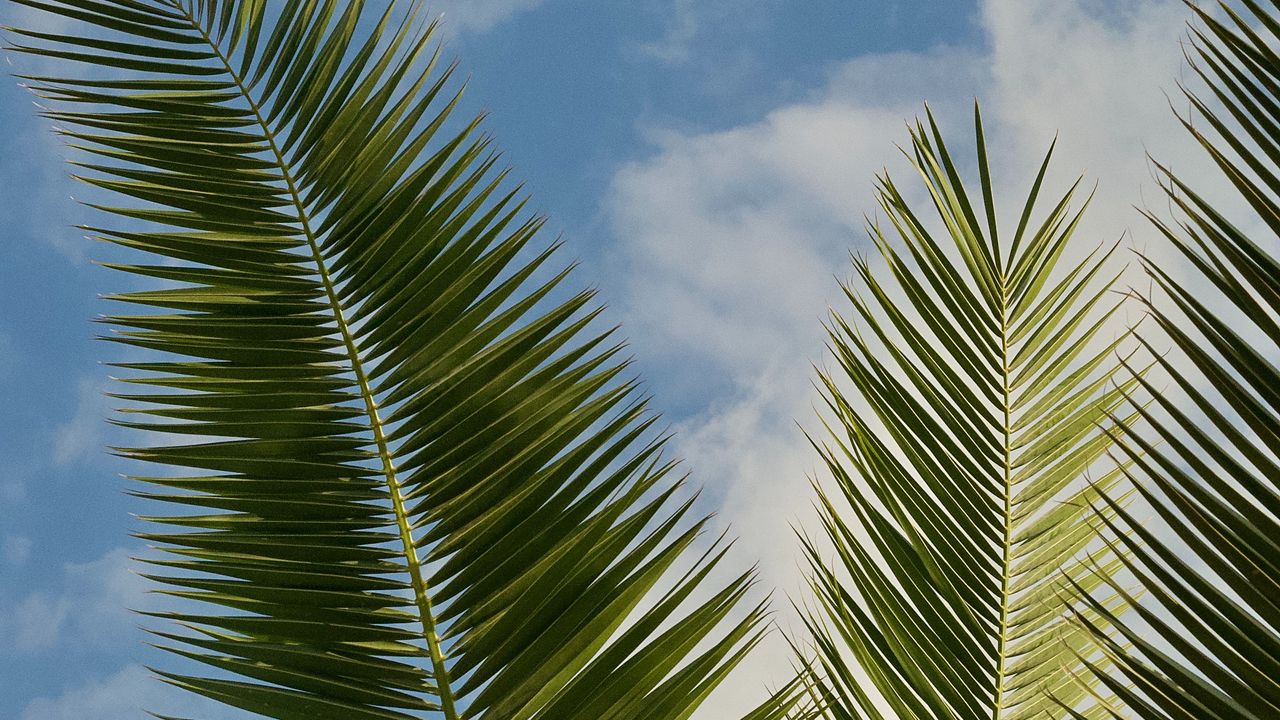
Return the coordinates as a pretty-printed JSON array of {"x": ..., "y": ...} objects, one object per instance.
[{"x": 973, "y": 386}]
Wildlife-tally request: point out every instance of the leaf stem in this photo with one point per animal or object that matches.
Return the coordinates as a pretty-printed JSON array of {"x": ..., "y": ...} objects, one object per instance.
[
  {"x": 1002, "y": 640},
  {"x": 422, "y": 598}
]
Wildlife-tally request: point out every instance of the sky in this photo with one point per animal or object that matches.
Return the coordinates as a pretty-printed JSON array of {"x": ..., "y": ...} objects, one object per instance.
[{"x": 711, "y": 164}]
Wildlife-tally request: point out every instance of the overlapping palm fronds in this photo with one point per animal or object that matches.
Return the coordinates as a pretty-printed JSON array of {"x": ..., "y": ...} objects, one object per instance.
[
  {"x": 419, "y": 485},
  {"x": 1207, "y": 646},
  {"x": 972, "y": 384}
]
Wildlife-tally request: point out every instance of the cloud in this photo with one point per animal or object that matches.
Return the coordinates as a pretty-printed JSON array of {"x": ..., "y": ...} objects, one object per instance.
[
  {"x": 30, "y": 18},
  {"x": 477, "y": 16},
  {"x": 732, "y": 243},
  {"x": 674, "y": 46},
  {"x": 41, "y": 206},
  {"x": 89, "y": 606},
  {"x": 38, "y": 621},
  {"x": 742, "y": 229},
  {"x": 124, "y": 695},
  {"x": 730, "y": 239},
  {"x": 80, "y": 438},
  {"x": 86, "y": 612},
  {"x": 16, "y": 550}
]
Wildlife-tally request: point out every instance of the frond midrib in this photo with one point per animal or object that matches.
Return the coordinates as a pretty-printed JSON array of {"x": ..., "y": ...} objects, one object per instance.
[
  {"x": 413, "y": 566},
  {"x": 1002, "y": 641}
]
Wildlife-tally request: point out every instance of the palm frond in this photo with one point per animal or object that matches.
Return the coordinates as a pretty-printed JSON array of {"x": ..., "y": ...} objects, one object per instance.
[
  {"x": 1208, "y": 645},
  {"x": 972, "y": 384},
  {"x": 415, "y": 482}
]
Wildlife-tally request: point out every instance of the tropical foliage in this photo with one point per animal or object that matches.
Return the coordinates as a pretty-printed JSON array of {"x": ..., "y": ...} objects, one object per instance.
[
  {"x": 972, "y": 384},
  {"x": 404, "y": 474},
  {"x": 412, "y": 479},
  {"x": 1207, "y": 646}
]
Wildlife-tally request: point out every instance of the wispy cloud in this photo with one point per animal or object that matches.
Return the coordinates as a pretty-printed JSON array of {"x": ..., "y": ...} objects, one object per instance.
[
  {"x": 41, "y": 207},
  {"x": 681, "y": 29},
  {"x": 16, "y": 550},
  {"x": 124, "y": 695},
  {"x": 88, "y": 604},
  {"x": 733, "y": 241},
  {"x": 118, "y": 696},
  {"x": 80, "y": 437},
  {"x": 476, "y": 16},
  {"x": 732, "y": 238}
]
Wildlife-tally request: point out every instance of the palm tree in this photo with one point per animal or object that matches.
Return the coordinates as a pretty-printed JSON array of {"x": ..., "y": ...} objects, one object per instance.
[
  {"x": 414, "y": 481},
  {"x": 1207, "y": 646},
  {"x": 966, "y": 411}
]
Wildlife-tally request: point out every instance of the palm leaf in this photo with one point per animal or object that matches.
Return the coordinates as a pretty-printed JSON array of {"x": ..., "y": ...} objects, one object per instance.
[
  {"x": 1208, "y": 645},
  {"x": 412, "y": 479},
  {"x": 972, "y": 383}
]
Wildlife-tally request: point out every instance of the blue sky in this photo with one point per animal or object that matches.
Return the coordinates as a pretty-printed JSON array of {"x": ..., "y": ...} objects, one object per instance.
[{"x": 710, "y": 162}]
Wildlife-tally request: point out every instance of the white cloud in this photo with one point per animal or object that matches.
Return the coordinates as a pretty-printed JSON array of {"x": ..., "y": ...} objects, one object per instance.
[
  {"x": 674, "y": 46},
  {"x": 88, "y": 609},
  {"x": 124, "y": 695},
  {"x": 29, "y": 18},
  {"x": 80, "y": 437},
  {"x": 38, "y": 621},
  {"x": 16, "y": 550},
  {"x": 479, "y": 15},
  {"x": 743, "y": 229},
  {"x": 89, "y": 606},
  {"x": 41, "y": 204},
  {"x": 731, "y": 238}
]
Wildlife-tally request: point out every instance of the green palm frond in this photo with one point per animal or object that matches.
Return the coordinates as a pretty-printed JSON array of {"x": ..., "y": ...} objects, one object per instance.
[
  {"x": 1208, "y": 645},
  {"x": 972, "y": 385},
  {"x": 413, "y": 481}
]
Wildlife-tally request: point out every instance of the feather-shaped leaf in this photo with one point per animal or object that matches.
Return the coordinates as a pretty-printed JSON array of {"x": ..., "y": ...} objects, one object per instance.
[
  {"x": 413, "y": 479},
  {"x": 1207, "y": 644},
  {"x": 973, "y": 380}
]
